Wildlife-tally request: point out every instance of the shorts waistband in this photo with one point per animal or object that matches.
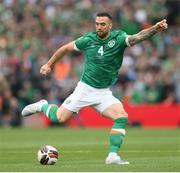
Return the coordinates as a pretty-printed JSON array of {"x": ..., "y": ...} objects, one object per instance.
[{"x": 80, "y": 83}]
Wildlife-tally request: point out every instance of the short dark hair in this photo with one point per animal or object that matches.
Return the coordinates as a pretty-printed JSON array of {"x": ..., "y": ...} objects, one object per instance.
[{"x": 104, "y": 14}]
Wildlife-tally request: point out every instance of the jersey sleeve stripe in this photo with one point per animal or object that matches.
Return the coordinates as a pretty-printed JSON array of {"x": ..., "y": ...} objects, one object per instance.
[
  {"x": 75, "y": 47},
  {"x": 127, "y": 42}
]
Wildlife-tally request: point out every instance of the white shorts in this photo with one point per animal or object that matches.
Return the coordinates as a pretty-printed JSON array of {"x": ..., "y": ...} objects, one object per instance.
[{"x": 86, "y": 95}]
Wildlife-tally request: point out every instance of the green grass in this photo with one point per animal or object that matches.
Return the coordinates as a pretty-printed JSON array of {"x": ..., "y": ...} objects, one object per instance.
[{"x": 84, "y": 150}]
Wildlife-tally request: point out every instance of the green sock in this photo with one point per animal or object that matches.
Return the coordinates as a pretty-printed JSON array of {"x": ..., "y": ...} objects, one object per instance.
[
  {"x": 117, "y": 134},
  {"x": 50, "y": 110}
]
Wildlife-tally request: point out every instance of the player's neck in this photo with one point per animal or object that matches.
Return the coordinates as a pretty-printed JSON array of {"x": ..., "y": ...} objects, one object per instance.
[{"x": 104, "y": 38}]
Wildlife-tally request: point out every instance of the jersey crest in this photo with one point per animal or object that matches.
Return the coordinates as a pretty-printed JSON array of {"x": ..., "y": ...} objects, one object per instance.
[{"x": 111, "y": 43}]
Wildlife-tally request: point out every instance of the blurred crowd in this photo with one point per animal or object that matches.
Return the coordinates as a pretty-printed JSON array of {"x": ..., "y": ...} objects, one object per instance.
[{"x": 31, "y": 30}]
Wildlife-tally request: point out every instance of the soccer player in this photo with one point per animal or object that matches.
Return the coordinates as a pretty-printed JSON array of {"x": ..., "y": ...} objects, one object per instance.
[{"x": 103, "y": 57}]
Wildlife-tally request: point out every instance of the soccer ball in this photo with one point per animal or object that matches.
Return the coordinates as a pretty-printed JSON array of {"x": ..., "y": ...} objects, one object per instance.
[{"x": 47, "y": 155}]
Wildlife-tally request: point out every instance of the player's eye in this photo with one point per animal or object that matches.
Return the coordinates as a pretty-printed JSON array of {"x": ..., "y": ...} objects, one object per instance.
[
  {"x": 100, "y": 24},
  {"x": 97, "y": 24}
]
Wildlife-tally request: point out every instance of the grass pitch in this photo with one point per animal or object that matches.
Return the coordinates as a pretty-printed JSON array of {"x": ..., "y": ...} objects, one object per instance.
[{"x": 84, "y": 150}]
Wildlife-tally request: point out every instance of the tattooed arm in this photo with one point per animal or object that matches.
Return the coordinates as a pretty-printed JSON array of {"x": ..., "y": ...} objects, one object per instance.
[{"x": 146, "y": 33}]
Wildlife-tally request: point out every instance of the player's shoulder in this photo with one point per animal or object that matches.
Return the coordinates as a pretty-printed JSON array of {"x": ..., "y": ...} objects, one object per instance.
[{"x": 85, "y": 39}]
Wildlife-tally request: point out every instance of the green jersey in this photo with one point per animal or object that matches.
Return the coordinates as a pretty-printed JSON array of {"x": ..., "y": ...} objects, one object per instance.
[{"x": 103, "y": 58}]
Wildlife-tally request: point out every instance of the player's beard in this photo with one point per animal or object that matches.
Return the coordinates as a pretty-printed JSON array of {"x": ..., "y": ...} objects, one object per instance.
[{"x": 102, "y": 34}]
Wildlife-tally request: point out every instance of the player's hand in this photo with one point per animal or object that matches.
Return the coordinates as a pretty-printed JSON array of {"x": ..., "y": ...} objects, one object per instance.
[
  {"x": 162, "y": 25},
  {"x": 45, "y": 69}
]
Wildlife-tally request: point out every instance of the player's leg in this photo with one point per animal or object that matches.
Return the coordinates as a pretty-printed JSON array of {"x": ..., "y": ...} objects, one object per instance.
[
  {"x": 52, "y": 111},
  {"x": 56, "y": 114},
  {"x": 112, "y": 108},
  {"x": 117, "y": 133}
]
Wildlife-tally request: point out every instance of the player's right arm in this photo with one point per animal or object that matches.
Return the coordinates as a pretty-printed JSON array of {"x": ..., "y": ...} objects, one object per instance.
[{"x": 46, "y": 68}]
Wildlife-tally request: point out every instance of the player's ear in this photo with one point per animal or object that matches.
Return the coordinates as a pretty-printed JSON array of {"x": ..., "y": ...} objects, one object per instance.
[{"x": 110, "y": 25}]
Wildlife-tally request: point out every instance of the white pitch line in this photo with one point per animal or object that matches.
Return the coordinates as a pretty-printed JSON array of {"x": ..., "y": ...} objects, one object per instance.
[{"x": 127, "y": 151}]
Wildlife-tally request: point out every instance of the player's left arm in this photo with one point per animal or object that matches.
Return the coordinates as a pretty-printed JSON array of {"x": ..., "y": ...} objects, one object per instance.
[{"x": 146, "y": 33}]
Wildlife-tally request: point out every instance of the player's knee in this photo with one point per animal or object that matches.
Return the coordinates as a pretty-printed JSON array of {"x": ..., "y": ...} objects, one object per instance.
[
  {"x": 59, "y": 116},
  {"x": 123, "y": 114},
  {"x": 62, "y": 115},
  {"x": 62, "y": 120}
]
